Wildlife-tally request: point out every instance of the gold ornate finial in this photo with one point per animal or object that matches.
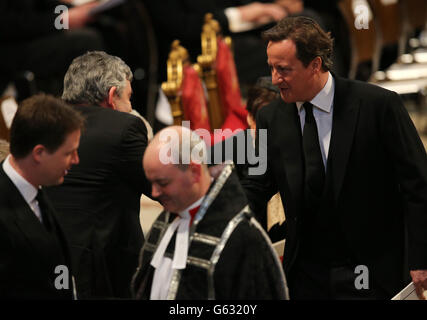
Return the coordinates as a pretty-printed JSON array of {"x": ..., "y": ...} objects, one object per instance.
[
  {"x": 209, "y": 42},
  {"x": 178, "y": 52},
  {"x": 178, "y": 58},
  {"x": 210, "y": 32}
]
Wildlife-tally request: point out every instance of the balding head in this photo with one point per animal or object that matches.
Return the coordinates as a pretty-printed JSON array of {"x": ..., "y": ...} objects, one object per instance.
[
  {"x": 179, "y": 146},
  {"x": 175, "y": 163}
]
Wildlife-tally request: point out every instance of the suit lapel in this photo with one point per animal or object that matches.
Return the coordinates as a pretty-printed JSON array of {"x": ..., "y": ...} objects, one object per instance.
[
  {"x": 290, "y": 144},
  {"x": 26, "y": 221},
  {"x": 57, "y": 231},
  {"x": 51, "y": 245},
  {"x": 346, "y": 111}
]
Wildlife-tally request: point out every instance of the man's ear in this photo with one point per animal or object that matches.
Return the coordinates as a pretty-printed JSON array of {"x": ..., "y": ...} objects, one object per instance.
[
  {"x": 111, "y": 98},
  {"x": 37, "y": 152},
  {"x": 316, "y": 64},
  {"x": 196, "y": 171}
]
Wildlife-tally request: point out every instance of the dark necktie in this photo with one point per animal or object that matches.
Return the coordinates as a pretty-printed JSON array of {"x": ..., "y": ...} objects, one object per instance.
[
  {"x": 43, "y": 209},
  {"x": 314, "y": 169}
]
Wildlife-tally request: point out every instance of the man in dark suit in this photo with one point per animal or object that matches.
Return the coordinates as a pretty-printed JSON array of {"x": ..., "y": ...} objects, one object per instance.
[
  {"x": 34, "y": 256},
  {"x": 351, "y": 171},
  {"x": 100, "y": 198}
]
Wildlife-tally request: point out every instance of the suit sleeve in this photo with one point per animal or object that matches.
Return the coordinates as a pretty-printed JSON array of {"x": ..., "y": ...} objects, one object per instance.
[
  {"x": 133, "y": 145},
  {"x": 260, "y": 186},
  {"x": 6, "y": 260},
  {"x": 410, "y": 162}
]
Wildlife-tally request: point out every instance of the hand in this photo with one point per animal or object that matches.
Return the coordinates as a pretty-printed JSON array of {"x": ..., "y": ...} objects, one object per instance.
[
  {"x": 262, "y": 12},
  {"x": 291, "y": 6},
  {"x": 79, "y": 16},
  {"x": 419, "y": 278}
]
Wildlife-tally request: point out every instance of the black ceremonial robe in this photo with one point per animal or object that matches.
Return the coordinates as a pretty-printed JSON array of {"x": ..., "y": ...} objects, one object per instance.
[{"x": 229, "y": 257}]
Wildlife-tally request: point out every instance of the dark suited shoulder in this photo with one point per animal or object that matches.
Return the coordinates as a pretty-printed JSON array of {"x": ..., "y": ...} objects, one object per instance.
[
  {"x": 110, "y": 117},
  {"x": 5, "y": 187},
  {"x": 379, "y": 110},
  {"x": 7, "y": 256},
  {"x": 370, "y": 94},
  {"x": 124, "y": 137},
  {"x": 384, "y": 106},
  {"x": 133, "y": 144},
  {"x": 100, "y": 198},
  {"x": 386, "y": 131},
  {"x": 269, "y": 112},
  {"x": 28, "y": 254}
]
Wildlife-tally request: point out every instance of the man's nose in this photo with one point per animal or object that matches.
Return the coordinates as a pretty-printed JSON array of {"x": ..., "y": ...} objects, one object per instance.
[
  {"x": 76, "y": 158},
  {"x": 155, "y": 192},
  {"x": 275, "y": 78}
]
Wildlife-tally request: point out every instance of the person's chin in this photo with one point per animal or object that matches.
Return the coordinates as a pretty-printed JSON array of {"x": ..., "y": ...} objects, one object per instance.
[
  {"x": 284, "y": 93},
  {"x": 59, "y": 181},
  {"x": 53, "y": 182},
  {"x": 172, "y": 208},
  {"x": 166, "y": 205}
]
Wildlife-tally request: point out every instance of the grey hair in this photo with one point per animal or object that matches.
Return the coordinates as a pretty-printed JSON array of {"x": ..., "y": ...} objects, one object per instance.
[{"x": 90, "y": 77}]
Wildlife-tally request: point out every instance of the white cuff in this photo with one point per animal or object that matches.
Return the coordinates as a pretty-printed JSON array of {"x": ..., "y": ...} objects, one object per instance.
[{"x": 235, "y": 22}]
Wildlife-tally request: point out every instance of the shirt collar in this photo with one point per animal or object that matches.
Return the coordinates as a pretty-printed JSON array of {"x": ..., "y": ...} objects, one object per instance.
[
  {"x": 324, "y": 99},
  {"x": 27, "y": 190},
  {"x": 185, "y": 214}
]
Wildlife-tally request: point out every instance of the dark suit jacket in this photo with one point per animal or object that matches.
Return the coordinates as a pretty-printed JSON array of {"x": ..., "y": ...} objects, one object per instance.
[
  {"x": 379, "y": 178},
  {"x": 99, "y": 202},
  {"x": 29, "y": 254}
]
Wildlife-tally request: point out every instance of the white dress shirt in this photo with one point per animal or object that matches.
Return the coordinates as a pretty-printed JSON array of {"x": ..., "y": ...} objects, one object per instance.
[
  {"x": 165, "y": 266},
  {"x": 27, "y": 190},
  {"x": 322, "y": 112}
]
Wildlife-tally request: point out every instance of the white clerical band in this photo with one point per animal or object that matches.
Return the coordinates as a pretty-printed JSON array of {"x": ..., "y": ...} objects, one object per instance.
[
  {"x": 181, "y": 243},
  {"x": 164, "y": 266}
]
